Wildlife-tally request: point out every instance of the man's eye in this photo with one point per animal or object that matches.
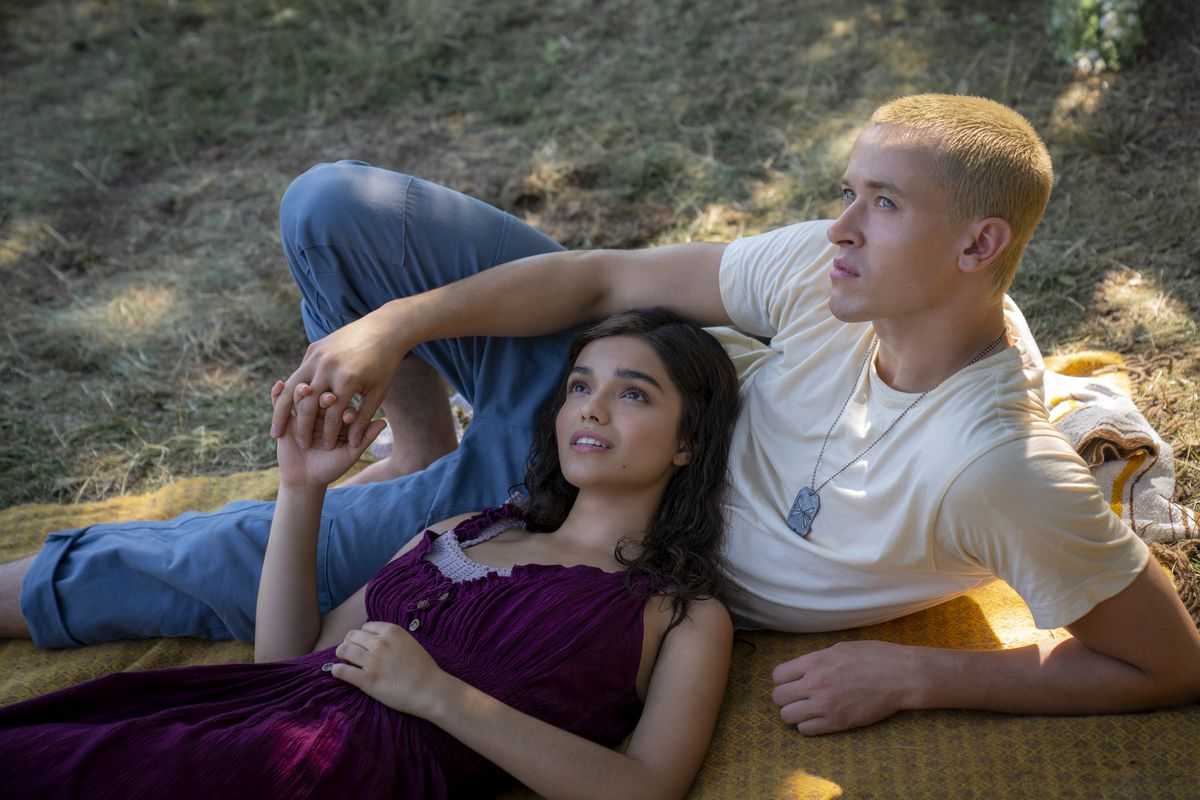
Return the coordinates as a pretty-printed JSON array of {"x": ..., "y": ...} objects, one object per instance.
[
  {"x": 885, "y": 202},
  {"x": 848, "y": 195}
]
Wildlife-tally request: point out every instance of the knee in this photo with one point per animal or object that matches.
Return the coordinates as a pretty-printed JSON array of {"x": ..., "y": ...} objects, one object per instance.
[{"x": 332, "y": 197}]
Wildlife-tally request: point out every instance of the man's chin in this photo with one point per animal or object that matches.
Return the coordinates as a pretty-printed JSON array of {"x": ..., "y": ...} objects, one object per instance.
[{"x": 847, "y": 313}]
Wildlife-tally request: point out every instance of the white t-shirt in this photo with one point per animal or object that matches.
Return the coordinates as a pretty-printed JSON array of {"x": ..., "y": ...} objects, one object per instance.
[{"x": 973, "y": 484}]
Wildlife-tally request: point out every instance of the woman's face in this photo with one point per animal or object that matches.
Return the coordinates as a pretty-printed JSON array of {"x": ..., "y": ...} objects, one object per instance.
[{"x": 618, "y": 427}]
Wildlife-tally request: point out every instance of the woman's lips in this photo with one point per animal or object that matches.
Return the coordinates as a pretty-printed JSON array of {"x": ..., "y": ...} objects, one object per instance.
[{"x": 589, "y": 441}]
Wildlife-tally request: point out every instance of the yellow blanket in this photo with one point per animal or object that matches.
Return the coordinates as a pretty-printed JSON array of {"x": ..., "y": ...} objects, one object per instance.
[
  {"x": 927, "y": 754},
  {"x": 931, "y": 754}
]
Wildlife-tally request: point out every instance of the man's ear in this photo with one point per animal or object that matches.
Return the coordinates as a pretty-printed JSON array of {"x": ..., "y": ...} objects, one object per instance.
[
  {"x": 989, "y": 237},
  {"x": 682, "y": 456}
]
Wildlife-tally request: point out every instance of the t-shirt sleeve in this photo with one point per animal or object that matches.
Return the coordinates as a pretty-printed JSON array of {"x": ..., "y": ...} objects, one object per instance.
[
  {"x": 1030, "y": 512},
  {"x": 766, "y": 279}
]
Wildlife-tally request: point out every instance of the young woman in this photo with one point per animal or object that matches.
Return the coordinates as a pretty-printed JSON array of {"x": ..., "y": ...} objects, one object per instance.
[{"x": 526, "y": 639}]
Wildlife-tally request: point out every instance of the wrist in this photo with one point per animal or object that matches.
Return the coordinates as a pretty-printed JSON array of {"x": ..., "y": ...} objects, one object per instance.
[
  {"x": 300, "y": 491},
  {"x": 402, "y": 327},
  {"x": 921, "y": 673},
  {"x": 446, "y": 699}
]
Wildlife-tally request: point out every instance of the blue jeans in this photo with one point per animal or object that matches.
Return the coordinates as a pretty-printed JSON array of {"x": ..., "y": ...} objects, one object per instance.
[{"x": 355, "y": 237}]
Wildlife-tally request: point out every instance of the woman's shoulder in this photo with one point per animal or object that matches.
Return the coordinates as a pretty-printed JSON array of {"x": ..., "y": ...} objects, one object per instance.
[{"x": 705, "y": 615}]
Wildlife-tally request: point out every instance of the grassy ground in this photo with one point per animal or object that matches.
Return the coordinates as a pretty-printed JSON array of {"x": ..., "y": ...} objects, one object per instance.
[{"x": 144, "y": 146}]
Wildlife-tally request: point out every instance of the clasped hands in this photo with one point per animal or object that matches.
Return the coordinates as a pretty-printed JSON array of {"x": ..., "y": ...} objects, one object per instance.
[
  {"x": 356, "y": 361},
  {"x": 316, "y": 467}
]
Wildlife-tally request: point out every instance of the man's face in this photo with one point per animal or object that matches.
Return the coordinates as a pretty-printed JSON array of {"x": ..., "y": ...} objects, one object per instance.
[{"x": 898, "y": 245}]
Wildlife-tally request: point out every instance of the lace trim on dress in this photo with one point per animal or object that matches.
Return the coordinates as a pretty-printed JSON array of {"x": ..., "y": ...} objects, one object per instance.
[{"x": 446, "y": 552}]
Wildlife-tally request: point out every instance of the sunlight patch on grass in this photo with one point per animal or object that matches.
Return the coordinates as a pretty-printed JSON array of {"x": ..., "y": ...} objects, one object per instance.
[
  {"x": 1080, "y": 97},
  {"x": 21, "y": 240},
  {"x": 218, "y": 379},
  {"x": 135, "y": 315},
  {"x": 1136, "y": 309}
]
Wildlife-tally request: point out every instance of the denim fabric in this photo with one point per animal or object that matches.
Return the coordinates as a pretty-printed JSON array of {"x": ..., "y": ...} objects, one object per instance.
[{"x": 355, "y": 237}]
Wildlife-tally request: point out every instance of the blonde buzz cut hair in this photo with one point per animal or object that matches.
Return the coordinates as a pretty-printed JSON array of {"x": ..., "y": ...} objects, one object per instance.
[{"x": 988, "y": 158}]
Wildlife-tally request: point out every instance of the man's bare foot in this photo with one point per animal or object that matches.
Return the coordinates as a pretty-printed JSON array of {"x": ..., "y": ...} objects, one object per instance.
[{"x": 419, "y": 420}]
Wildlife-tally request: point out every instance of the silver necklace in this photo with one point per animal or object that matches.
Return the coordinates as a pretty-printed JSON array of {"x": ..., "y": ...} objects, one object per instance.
[{"x": 808, "y": 502}]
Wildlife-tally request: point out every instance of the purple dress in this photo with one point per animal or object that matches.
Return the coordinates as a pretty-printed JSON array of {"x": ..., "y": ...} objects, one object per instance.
[{"x": 560, "y": 643}]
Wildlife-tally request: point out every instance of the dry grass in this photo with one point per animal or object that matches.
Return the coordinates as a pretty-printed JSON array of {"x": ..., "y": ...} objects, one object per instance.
[{"x": 145, "y": 145}]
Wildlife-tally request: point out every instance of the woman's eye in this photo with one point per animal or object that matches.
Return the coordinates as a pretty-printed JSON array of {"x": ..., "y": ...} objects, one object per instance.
[
  {"x": 885, "y": 202},
  {"x": 636, "y": 394},
  {"x": 576, "y": 386},
  {"x": 848, "y": 195}
]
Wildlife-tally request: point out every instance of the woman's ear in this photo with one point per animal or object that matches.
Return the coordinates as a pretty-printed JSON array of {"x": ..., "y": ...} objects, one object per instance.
[
  {"x": 683, "y": 455},
  {"x": 989, "y": 238}
]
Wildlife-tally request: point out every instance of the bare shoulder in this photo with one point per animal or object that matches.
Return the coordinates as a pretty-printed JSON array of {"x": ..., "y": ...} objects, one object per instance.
[
  {"x": 707, "y": 617},
  {"x": 700, "y": 644}
]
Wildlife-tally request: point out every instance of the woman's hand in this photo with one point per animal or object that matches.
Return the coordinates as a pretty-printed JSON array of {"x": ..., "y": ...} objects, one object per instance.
[
  {"x": 302, "y": 465},
  {"x": 388, "y": 664}
]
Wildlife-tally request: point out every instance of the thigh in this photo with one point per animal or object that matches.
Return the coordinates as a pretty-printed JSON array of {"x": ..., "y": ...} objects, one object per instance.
[{"x": 357, "y": 236}]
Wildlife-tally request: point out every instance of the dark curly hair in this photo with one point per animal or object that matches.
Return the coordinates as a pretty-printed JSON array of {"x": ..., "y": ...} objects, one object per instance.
[{"x": 679, "y": 552}]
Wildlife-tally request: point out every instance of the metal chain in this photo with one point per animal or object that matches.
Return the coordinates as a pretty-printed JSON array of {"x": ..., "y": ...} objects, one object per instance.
[{"x": 862, "y": 371}]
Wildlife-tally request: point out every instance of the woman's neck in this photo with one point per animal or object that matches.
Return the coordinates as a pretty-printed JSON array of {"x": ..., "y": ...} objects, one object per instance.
[{"x": 598, "y": 521}]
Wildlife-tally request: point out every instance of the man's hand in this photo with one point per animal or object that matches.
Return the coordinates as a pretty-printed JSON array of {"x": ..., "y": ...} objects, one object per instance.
[
  {"x": 845, "y": 686},
  {"x": 384, "y": 661},
  {"x": 357, "y": 360}
]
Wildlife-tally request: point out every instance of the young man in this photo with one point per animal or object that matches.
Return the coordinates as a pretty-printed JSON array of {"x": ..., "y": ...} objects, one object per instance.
[{"x": 892, "y": 451}]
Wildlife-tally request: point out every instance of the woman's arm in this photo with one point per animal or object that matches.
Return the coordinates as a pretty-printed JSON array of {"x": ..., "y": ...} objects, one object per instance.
[
  {"x": 287, "y": 615},
  {"x": 664, "y": 753}
]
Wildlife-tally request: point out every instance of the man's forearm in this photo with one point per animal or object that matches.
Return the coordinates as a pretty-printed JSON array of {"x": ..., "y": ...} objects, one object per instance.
[
  {"x": 1056, "y": 677},
  {"x": 554, "y": 291},
  {"x": 529, "y": 297}
]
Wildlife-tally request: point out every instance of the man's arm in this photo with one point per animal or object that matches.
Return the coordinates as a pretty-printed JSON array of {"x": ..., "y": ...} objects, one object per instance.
[
  {"x": 532, "y": 296},
  {"x": 1136, "y": 651}
]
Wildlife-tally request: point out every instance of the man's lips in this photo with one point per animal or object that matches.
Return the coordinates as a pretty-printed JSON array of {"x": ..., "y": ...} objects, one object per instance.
[
  {"x": 589, "y": 441},
  {"x": 842, "y": 268}
]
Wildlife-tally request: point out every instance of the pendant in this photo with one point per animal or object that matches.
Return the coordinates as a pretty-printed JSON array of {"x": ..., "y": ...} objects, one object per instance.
[{"x": 804, "y": 511}]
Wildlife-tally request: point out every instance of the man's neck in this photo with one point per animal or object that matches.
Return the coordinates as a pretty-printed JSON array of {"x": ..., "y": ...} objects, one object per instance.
[{"x": 916, "y": 356}]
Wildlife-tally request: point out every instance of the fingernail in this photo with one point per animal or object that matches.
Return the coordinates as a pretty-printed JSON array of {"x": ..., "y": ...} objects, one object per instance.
[{"x": 274, "y": 432}]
